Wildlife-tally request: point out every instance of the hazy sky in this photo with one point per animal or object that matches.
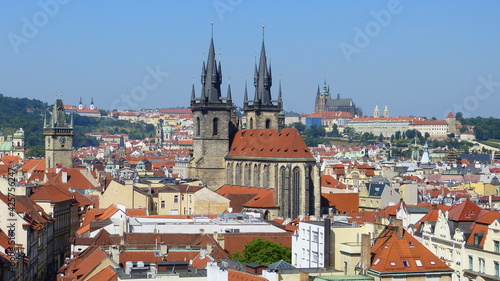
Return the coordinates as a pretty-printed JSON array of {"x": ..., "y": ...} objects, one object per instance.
[{"x": 421, "y": 58}]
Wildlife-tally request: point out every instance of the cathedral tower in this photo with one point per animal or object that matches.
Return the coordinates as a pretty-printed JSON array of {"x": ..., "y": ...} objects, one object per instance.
[
  {"x": 262, "y": 111},
  {"x": 213, "y": 127},
  {"x": 58, "y": 137}
]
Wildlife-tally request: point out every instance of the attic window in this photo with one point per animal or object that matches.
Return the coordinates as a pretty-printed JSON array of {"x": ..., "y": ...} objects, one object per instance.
[
  {"x": 261, "y": 134},
  {"x": 305, "y": 150},
  {"x": 295, "y": 150},
  {"x": 418, "y": 262},
  {"x": 410, "y": 244},
  {"x": 433, "y": 262},
  {"x": 393, "y": 263},
  {"x": 376, "y": 262},
  {"x": 406, "y": 263},
  {"x": 286, "y": 150}
]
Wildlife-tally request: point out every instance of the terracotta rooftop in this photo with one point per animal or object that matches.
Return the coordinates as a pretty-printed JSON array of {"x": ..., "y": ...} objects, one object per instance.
[
  {"x": 269, "y": 143},
  {"x": 393, "y": 254},
  {"x": 343, "y": 202},
  {"x": 465, "y": 211},
  {"x": 233, "y": 275}
]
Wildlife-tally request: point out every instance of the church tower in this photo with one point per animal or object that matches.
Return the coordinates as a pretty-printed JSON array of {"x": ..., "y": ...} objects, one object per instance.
[
  {"x": 58, "y": 137},
  {"x": 213, "y": 127},
  {"x": 386, "y": 112},
  {"x": 376, "y": 112},
  {"x": 262, "y": 111}
]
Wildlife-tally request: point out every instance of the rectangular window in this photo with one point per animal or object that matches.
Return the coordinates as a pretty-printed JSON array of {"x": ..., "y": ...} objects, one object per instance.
[
  {"x": 182, "y": 197},
  {"x": 176, "y": 198},
  {"x": 315, "y": 236},
  {"x": 497, "y": 269},
  {"x": 496, "y": 245},
  {"x": 315, "y": 257},
  {"x": 481, "y": 265},
  {"x": 471, "y": 263},
  {"x": 162, "y": 204}
]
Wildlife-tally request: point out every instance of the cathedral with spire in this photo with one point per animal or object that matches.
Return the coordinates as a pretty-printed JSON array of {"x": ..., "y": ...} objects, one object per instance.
[
  {"x": 261, "y": 155},
  {"x": 325, "y": 103}
]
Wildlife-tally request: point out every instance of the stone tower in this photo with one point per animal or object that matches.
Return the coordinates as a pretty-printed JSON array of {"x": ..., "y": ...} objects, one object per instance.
[
  {"x": 262, "y": 111},
  {"x": 386, "y": 112},
  {"x": 58, "y": 137},
  {"x": 322, "y": 98},
  {"x": 213, "y": 126},
  {"x": 376, "y": 112}
]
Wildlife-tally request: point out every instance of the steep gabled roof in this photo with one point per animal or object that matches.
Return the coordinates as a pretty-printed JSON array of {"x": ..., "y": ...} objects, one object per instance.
[
  {"x": 255, "y": 197},
  {"x": 393, "y": 254},
  {"x": 465, "y": 211},
  {"x": 107, "y": 274},
  {"x": 269, "y": 143},
  {"x": 233, "y": 275},
  {"x": 84, "y": 264},
  {"x": 343, "y": 202}
]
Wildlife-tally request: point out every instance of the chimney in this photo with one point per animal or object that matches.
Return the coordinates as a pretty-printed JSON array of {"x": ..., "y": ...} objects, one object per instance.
[
  {"x": 365, "y": 252},
  {"x": 304, "y": 276},
  {"x": 398, "y": 224},
  {"x": 64, "y": 176},
  {"x": 163, "y": 249}
]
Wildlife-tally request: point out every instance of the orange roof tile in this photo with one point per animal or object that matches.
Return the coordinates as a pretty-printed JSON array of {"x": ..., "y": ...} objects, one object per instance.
[
  {"x": 234, "y": 275},
  {"x": 343, "y": 202},
  {"x": 269, "y": 143},
  {"x": 393, "y": 254},
  {"x": 107, "y": 274},
  {"x": 465, "y": 211}
]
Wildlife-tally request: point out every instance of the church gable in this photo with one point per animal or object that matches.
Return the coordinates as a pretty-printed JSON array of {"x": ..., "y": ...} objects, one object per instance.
[{"x": 269, "y": 143}]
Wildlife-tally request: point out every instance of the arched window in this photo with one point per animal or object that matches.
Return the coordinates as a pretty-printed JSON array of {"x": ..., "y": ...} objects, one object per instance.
[
  {"x": 237, "y": 174},
  {"x": 215, "y": 126},
  {"x": 295, "y": 191},
  {"x": 256, "y": 175},
  {"x": 282, "y": 194},
  {"x": 197, "y": 126},
  {"x": 268, "y": 123}
]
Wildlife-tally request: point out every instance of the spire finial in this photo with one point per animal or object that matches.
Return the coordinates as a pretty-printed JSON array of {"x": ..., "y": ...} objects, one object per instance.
[
  {"x": 263, "y": 28},
  {"x": 212, "y": 23}
]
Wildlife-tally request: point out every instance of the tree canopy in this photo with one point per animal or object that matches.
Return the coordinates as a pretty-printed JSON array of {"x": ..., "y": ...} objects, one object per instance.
[{"x": 263, "y": 252}]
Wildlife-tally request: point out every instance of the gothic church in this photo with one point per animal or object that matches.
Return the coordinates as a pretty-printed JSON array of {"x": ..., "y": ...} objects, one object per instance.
[{"x": 264, "y": 154}]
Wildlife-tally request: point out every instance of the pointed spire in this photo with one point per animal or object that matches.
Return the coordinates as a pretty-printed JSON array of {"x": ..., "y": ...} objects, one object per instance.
[
  {"x": 193, "y": 95},
  {"x": 318, "y": 91},
  {"x": 245, "y": 100},
  {"x": 80, "y": 100},
  {"x": 229, "y": 97},
  {"x": 92, "y": 100},
  {"x": 71, "y": 124},
  {"x": 263, "y": 77},
  {"x": 280, "y": 97},
  {"x": 211, "y": 76}
]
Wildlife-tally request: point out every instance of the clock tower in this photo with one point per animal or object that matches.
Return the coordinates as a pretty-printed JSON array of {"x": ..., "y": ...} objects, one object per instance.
[{"x": 58, "y": 137}]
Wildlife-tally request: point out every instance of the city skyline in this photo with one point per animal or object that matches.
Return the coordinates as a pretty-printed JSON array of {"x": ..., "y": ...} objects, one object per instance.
[{"x": 419, "y": 59}]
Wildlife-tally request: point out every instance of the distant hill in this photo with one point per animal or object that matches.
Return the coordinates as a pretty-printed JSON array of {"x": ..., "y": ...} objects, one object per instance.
[
  {"x": 23, "y": 113},
  {"x": 28, "y": 114}
]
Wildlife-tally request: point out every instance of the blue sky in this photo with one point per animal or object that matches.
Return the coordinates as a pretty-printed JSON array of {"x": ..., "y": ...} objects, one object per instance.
[{"x": 421, "y": 58}]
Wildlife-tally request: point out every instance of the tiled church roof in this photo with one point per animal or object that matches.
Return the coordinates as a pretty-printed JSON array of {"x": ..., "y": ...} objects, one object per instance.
[{"x": 269, "y": 143}]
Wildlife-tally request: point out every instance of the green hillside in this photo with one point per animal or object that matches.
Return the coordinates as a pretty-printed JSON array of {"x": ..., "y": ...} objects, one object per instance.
[{"x": 28, "y": 114}]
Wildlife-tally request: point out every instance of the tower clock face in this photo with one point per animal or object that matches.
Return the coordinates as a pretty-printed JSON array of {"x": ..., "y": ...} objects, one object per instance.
[{"x": 62, "y": 140}]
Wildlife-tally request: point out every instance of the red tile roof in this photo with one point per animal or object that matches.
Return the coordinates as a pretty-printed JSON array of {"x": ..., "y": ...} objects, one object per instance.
[
  {"x": 107, "y": 274},
  {"x": 465, "y": 211},
  {"x": 84, "y": 264},
  {"x": 329, "y": 181},
  {"x": 343, "y": 202},
  {"x": 393, "y": 254},
  {"x": 256, "y": 197},
  {"x": 269, "y": 143},
  {"x": 233, "y": 275}
]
